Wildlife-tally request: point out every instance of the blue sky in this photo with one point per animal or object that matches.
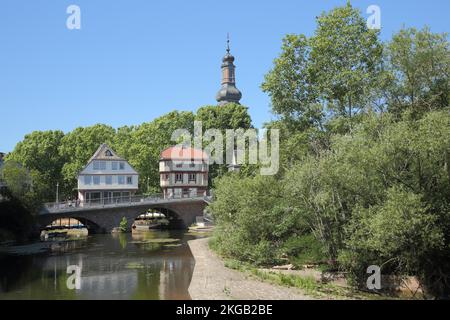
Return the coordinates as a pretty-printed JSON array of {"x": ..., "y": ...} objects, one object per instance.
[{"x": 135, "y": 60}]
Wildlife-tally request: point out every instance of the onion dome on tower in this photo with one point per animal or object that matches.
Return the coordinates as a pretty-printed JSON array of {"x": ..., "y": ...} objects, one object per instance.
[{"x": 228, "y": 93}]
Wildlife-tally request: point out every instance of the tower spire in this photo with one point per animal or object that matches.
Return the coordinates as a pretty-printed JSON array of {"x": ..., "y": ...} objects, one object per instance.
[{"x": 228, "y": 92}]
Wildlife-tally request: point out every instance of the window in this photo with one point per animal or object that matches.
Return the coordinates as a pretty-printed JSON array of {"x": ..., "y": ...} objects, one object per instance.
[
  {"x": 108, "y": 179},
  {"x": 192, "y": 177},
  {"x": 87, "y": 180},
  {"x": 178, "y": 177},
  {"x": 165, "y": 176},
  {"x": 179, "y": 165},
  {"x": 121, "y": 180},
  {"x": 192, "y": 165},
  {"x": 96, "y": 179},
  {"x": 114, "y": 165},
  {"x": 129, "y": 180},
  {"x": 99, "y": 165},
  {"x": 108, "y": 153},
  {"x": 122, "y": 165}
]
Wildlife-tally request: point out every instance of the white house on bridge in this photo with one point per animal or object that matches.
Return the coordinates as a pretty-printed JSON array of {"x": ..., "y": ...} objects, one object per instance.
[
  {"x": 107, "y": 178},
  {"x": 183, "y": 172}
]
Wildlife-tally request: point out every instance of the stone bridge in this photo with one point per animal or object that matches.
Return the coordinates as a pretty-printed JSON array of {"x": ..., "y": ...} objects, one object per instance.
[{"x": 103, "y": 218}]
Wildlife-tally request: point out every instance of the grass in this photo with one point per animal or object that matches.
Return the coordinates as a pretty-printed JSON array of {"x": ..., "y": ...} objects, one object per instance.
[{"x": 308, "y": 285}]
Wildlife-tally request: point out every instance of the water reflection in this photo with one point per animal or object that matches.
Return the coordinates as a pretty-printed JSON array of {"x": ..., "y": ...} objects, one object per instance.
[{"x": 145, "y": 265}]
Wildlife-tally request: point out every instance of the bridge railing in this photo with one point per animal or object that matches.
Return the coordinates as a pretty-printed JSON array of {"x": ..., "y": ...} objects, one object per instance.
[{"x": 115, "y": 201}]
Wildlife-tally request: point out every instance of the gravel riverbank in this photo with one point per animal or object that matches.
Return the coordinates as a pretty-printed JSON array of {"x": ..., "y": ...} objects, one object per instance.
[{"x": 211, "y": 280}]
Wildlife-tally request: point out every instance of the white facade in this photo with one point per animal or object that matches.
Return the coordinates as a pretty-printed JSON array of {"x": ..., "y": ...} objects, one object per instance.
[
  {"x": 90, "y": 179},
  {"x": 107, "y": 178}
]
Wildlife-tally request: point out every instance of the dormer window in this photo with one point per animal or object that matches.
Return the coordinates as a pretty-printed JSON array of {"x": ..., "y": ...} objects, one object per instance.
[
  {"x": 99, "y": 165},
  {"x": 108, "y": 153}
]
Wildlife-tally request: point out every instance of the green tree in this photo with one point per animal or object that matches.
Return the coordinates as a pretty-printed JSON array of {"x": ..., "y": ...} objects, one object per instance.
[
  {"x": 330, "y": 75},
  {"x": 420, "y": 63},
  {"x": 76, "y": 148},
  {"x": 39, "y": 154},
  {"x": 252, "y": 223},
  {"x": 400, "y": 235},
  {"x": 16, "y": 177},
  {"x": 382, "y": 169},
  {"x": 229, "y": 116},
  {"x": 291, "y": 86},
  {"x": 147, "y": 141},
  {"x": 345, "y": 60},
  {"x": 16, "y": 221}
]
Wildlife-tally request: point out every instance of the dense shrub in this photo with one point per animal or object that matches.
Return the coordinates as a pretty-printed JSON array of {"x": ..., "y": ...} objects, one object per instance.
[
  {"x": 252, "y": 221},
  {"x": 16, "y": 221},
  {"x": 378, "y": 196}
]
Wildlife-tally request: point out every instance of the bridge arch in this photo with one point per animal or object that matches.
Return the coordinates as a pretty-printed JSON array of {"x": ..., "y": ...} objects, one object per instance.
[
  {"x": 90, "y": 225},
  {"x": 182, "y": 213},
  {"x": 173, "y": 216}
]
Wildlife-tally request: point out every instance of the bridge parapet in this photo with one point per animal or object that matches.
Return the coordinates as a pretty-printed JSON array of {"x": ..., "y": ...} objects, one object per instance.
[
  {"x": 181, "y": 212},
  {"x": 119, "y": 202}
]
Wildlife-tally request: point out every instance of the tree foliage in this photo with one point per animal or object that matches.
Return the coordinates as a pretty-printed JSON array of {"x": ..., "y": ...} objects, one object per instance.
[
  {"x": 229, "y": 116},
  {"x": 419, "y": 62},
  {"x": 365, "y": 131},
  {"x": 252, "y": 222},
  {"x": 330, "y": 73},
  {"x": 52, "y": 157},
  {"x": 76, "y": 148},
  {"x": 38, "y": 154}
]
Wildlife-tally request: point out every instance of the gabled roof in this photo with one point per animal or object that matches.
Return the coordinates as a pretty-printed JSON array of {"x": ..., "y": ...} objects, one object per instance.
[
  {"x": 102, "y": 154},
  {"x": 105, "y": 153},
  {"x": 183, "y": 153}
]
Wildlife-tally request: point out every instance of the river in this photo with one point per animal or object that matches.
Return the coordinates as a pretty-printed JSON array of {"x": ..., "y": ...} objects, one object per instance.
[{"x": 146, "y": 265}]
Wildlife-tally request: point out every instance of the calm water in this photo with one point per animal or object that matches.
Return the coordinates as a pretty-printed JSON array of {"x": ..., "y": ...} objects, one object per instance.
[{"x": 144, "y": 265}]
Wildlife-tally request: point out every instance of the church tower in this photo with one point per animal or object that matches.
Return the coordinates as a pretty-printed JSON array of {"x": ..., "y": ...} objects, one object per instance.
[{"x": 228, "y": 92}]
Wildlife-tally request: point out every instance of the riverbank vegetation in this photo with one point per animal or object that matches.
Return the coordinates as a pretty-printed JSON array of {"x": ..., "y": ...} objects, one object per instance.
[
  {"x": 365, "y": 156},
  {"x": 16, "y": 220},
  {"x": 307, "y": 284}
]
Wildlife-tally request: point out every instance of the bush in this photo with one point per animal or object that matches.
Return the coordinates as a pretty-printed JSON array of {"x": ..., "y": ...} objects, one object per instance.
[
  {"x": 16, "y": 221},
  {"x": 379, "y": 196},
  {"x": 252, "y": 222},
  {"x": 303, "y": 250},
  {"x": 399, "y": 235},
  {"x": 388, "y": 185},
  {"x": 123, "y": 227}
]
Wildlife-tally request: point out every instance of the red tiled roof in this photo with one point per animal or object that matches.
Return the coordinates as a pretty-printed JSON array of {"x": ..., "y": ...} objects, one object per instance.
[{"x": 183, "y": 153}]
